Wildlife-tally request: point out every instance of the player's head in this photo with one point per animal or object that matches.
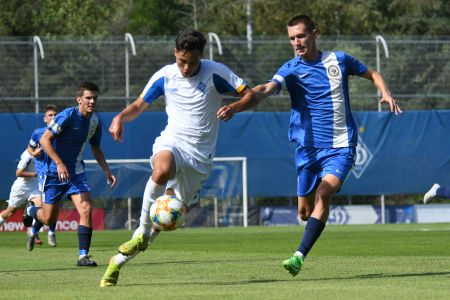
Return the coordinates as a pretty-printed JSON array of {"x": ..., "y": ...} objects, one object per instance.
[
  {"x": 303, "y": 33},
  {"x": 49, "y": 113},
  {"x": 87, "y": 93},
  {"x": 188, "y": 51}
]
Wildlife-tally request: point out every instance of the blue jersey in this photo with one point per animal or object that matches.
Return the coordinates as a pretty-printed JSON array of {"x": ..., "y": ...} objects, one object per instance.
[
  {"x": 42, "y": 160},
  {"x": 321, "y": 116},
  {"x": 73, "y": 132}
]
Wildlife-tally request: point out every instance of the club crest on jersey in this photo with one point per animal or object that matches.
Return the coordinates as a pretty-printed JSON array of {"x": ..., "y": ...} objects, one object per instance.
[
  {"x": 201, "y": 87},
  {"x": 333, "y": 71}
]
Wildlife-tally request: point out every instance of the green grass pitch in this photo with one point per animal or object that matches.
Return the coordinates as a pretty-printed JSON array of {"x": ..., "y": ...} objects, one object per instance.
[{"x": 348, "y": 262}]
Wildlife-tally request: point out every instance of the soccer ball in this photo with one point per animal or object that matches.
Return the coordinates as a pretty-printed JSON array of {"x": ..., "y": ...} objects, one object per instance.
[{"x": 167, "y": 213}]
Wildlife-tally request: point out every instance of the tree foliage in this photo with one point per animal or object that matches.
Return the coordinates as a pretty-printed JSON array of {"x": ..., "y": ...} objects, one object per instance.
[{"x": 225, "y": 17}]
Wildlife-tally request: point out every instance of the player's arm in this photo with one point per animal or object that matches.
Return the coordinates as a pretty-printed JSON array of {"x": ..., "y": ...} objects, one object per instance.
[
  {"x": 35, "y": 152},
  {"x": 46, "y": 144},
  {"x": 379, "y": 82},
  {"x": 128, "y": 114},
  {"x": 21, "y": 173},
  {"x": 247, "y": 101},
  {"x": 265, "y": 90},
  {"x": 100, "y": 158}
]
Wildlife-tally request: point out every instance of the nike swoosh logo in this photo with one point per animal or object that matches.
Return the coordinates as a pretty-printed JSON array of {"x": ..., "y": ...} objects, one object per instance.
[{"x": 303, "y": 75}]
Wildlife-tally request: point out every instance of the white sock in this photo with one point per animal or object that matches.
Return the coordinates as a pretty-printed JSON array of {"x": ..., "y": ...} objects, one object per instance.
[
  {"x": 121, "y": 259},
  {"x": 51, "y": 232},
  {"x": 298, "y": 253},
  {"x": 1, "y": 220},
  {"x": 152, "y": 191},
  {"x": 153, "y": 235}
]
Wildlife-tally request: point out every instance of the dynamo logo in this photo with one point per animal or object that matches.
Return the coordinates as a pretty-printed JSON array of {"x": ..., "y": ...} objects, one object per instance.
[
  {"x": 363, "y": 158},
  {"x": 338, "y": 215}
]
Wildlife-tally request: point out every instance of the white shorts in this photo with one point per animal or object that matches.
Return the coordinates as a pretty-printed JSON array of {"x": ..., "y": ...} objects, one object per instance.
[
  {"x": 21, "y": 193},
  {"x": 190, "y": 173}
]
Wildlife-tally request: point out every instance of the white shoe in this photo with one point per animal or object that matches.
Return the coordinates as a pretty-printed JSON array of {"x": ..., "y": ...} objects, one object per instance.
[{"x": 431, "y": 193}]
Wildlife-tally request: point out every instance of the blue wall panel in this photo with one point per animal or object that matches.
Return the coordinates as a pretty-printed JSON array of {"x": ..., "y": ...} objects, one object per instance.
[{"x": 401, "y": 154}]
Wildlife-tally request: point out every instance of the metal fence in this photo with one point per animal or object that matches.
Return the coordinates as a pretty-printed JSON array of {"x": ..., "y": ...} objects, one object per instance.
[{"x": 37, "y": 71}]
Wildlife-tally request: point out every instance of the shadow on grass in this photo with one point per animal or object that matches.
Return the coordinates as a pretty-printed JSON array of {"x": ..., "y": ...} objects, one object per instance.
[{"x": 258, "y": 281}]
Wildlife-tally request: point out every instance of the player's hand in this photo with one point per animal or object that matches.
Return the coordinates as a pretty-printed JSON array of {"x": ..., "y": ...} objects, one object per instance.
[
  {"x": 225, "y": 113},
  {"x": 393, "y": 106},
  {"x": 37, "y": 152},
  {"x": 111, "y": 180},
  {"x": 63, "y": 173},
  {"x": 116, "y": 129}
]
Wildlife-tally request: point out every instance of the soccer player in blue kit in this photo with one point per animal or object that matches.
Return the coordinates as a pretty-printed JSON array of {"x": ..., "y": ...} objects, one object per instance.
[
  {"x": 64, "y": 142},
  {"x": 193, "y": 89},
  {"x": 41, "y": 158},
  {"x": 321, "y": 124}
]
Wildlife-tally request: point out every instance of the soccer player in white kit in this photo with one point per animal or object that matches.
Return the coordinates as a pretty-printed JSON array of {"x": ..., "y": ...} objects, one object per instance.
[
  {"x": 25, "y": 187},
  {"x": 193, "y": 89}
]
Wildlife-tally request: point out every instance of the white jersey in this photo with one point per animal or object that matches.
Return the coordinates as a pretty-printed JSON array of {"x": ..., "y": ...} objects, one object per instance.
[
  {"x": 24, "y": 188},
  {"x": 192, "y": 104},
  {"x": 26, "y": 163}
]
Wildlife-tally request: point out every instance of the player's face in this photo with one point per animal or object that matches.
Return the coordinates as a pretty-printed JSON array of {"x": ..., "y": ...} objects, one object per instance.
[
  {"x": 49, "y": 115},
  {"x": 188, "y": 61},
  {"x": 87, "y": 102},
  {"x": 303, "y": 42}
]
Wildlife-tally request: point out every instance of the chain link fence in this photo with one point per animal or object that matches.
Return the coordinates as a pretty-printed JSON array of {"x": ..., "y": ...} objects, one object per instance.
[{"x": 417, "y": 70}]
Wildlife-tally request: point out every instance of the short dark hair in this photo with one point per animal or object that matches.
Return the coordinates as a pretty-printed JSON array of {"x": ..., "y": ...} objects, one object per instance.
[
  {"x": 50, "y": 107},
  {"x": 307, "y": 21},
  {"x": 86, "y": 86},
  {"x": 190, "y": 40}
]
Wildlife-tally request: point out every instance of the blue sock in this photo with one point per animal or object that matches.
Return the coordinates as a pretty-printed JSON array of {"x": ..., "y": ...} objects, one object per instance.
[
  {"x": 84, "y": 239},
  {"x": 313, "y": 229},
  {"x": 52, "y": 228},
  {"x": 36, "y": 227},
  {"x": 32, "y": 211},
  {"x": 443, "y": 192}
]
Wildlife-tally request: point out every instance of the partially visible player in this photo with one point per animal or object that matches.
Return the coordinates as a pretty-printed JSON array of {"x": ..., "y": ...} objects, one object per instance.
[
  {"x": 25, "y": 188},
  {"x": 321, "y": 124},
  {"x": 64, "y": 142},
  {"x": 436, "y": 191},
  {"x": 182, "y": 155},
  {"x": 41, "y": 161}
]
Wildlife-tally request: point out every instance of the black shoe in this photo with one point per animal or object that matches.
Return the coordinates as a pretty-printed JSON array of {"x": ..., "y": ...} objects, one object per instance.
[
  {"x": 26, "y": 219},
  {"x": 85, "y": 261}
]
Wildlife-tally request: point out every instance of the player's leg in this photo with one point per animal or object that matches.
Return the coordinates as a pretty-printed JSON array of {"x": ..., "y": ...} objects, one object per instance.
[
  {"x": 6, "y": 213},
  {"x": 33, "y": 232},
  {"x": 53, "y": 191},
  {"x": 17, "y": 198},
  {"x": 82, "y": 203},
  {"x": 308, "y": 178},
  {"x": 164, "y": 168}
]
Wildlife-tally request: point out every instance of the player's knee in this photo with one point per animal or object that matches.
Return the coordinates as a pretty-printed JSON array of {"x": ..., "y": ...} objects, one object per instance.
[
  {"x": 161, "y": 175},
  {"x": 85, "y": 212},
  {"x": 304, "y": 214},
  {"x": 48, "y": 220}
]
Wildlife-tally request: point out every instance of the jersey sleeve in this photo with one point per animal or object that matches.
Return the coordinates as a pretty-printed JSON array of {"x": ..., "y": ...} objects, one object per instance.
[
  {"x": 34, "y": 140},
  {"x": 226, "y": 82},
  {"x": 154, "y": 87},
  {"x": 354, "y": 66},
  {"x": 60, "y": 121},
  {"x": 25, "y": 159},
  {"x": 96, "y": 138},
  {"x": 280, "y": 77}
]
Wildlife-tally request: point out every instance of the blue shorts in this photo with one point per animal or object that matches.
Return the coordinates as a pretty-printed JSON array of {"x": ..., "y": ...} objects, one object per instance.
[
  {"x": 54, "y": 189},
  {"x": 314, "y": 163}
]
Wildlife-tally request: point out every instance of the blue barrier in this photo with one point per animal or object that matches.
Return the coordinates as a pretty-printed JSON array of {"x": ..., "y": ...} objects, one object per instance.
[{"x": 401, "y": 154}]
